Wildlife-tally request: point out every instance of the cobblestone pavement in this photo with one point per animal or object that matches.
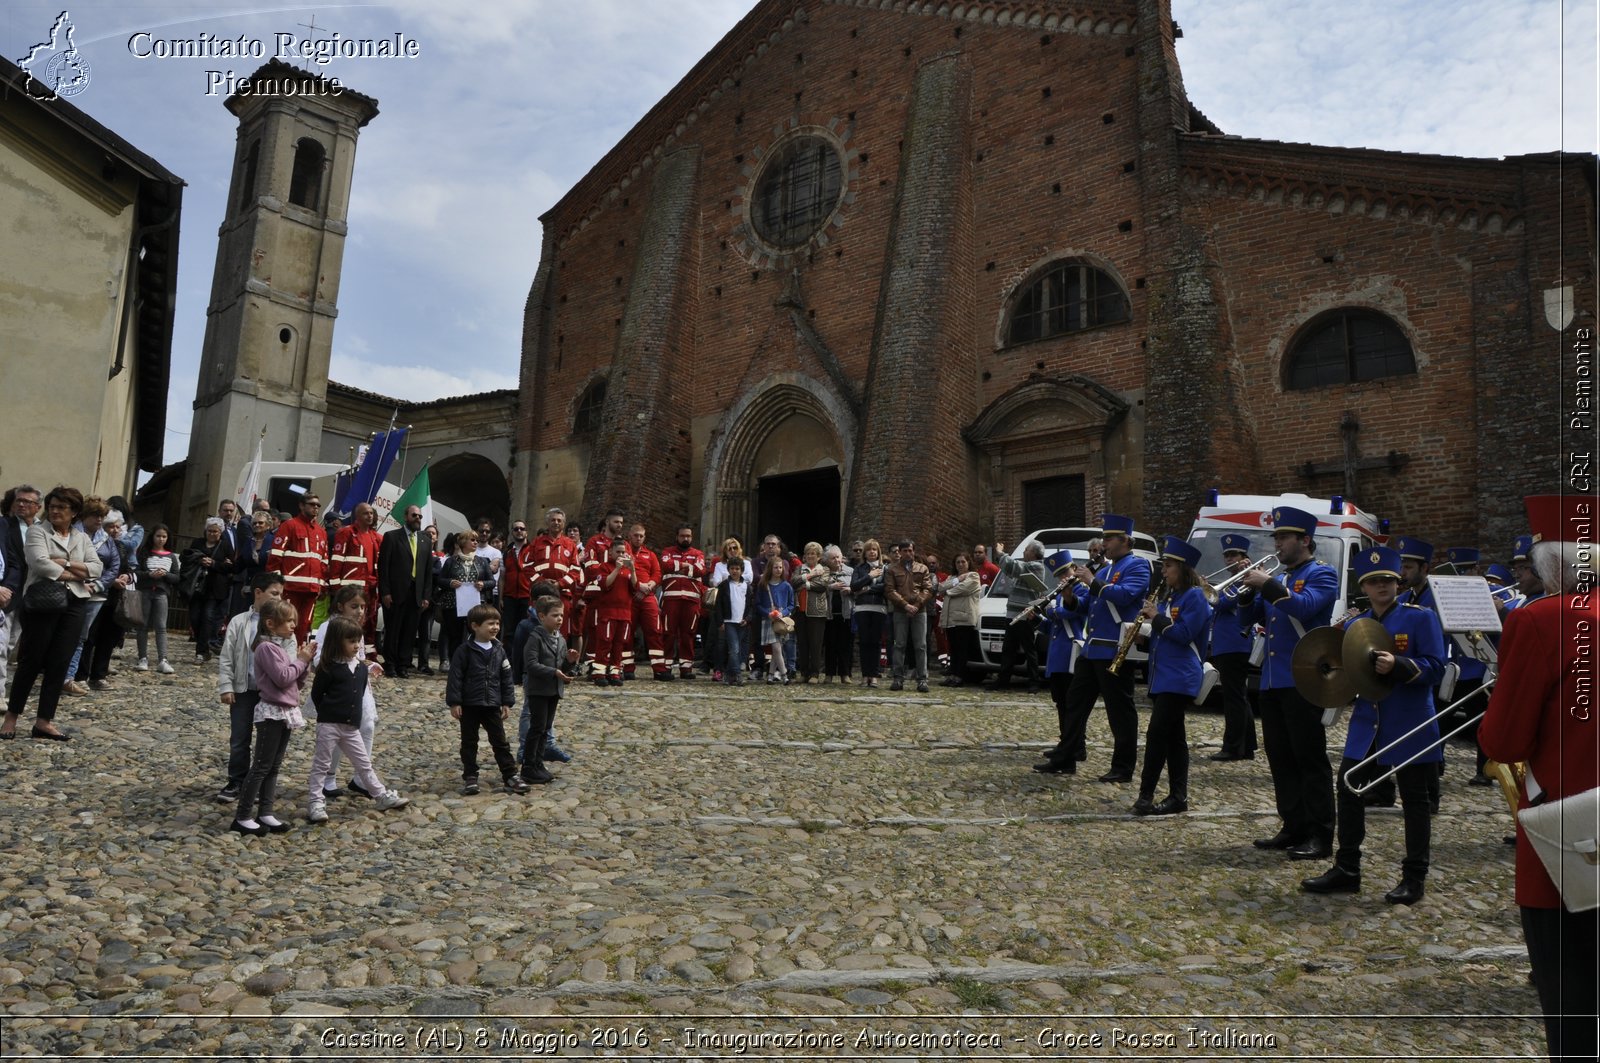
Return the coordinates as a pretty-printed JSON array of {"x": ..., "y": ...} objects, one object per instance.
[{"x": 816, "y": 862}]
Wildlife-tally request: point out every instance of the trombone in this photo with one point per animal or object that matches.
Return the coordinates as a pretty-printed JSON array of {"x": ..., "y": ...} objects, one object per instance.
[
  {"x": 1508, "y": 776},
  {"x": 1229, "y": 588}
]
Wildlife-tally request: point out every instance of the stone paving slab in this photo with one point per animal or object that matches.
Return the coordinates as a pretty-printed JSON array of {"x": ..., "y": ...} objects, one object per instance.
[{"x": 840, "y": 873}]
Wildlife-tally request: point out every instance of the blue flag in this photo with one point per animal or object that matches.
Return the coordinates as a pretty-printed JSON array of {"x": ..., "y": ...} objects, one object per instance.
[{"x": 381, "y": 454}]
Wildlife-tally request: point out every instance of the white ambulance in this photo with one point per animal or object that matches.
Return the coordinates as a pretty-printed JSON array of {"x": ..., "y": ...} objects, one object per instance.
[
  {"x": 992, "y": 622},
  {"x": 1343, "y": 531}
]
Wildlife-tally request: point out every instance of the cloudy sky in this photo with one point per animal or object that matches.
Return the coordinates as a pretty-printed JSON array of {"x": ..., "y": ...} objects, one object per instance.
[{"x": 511, "y": 101}]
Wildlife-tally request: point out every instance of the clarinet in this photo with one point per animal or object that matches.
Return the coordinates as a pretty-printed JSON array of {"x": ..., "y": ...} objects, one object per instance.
[{"x": 1132, "y": 633}]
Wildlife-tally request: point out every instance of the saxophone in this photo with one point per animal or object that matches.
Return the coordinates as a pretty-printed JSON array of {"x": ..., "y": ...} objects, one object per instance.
[{"x": 1133, "y": 632}]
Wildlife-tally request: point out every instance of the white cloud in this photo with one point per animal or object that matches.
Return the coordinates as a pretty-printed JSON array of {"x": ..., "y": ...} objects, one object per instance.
[{"x": 417, "y": 383}]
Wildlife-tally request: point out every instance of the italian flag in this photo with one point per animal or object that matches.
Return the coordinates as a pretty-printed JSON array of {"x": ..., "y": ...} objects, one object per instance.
[{"x": 420, "y": 494}]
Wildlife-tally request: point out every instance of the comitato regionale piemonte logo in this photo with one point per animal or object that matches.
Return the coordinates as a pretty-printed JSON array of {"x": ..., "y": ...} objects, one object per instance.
[{"x": 54, "y": 67}]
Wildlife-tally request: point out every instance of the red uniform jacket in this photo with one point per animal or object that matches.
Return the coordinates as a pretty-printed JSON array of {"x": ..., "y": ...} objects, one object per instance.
[
  {"x": 300, "y": 552},
  {"x": 556, "y": 560},
  {"x": 616, "y": 601},
  {"x": 1543, "y": 711},
  {"x": 596, "y": 552},
  {"x": 355, "y": 559},
  {"x": 648, "y": 567},
  {"x": 683, "y": 573},
  {"x": 517, "y": 571}
]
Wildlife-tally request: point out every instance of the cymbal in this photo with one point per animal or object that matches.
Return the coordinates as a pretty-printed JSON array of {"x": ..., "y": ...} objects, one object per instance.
[
  {"x": 1361, "y": 640},
  {"x": 1318, "y": 668}
]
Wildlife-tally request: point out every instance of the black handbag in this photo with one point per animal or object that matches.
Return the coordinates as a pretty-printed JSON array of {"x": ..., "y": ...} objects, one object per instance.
[{"x": 46, "y": 596}]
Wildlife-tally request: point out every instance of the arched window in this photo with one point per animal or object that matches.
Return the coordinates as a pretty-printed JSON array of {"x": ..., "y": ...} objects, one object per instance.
[
  {"x": 587, "y": 417},
  {"x": 1347, "y": 346},
  {"x": 305, "y": 182},
  {"x": 1069, "y": 296}
]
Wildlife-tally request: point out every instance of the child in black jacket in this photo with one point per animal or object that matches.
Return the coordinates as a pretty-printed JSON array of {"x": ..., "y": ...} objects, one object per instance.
[
  {"x": 480, "y": 693},
  {"x": 545, "y": 658},
  {"x": 338, "y": 693}
]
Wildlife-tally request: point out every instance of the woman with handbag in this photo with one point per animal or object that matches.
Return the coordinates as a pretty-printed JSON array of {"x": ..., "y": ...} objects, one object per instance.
[
  {"x": 62, "y": 562},
  {"x": 1542, "y": 713}
]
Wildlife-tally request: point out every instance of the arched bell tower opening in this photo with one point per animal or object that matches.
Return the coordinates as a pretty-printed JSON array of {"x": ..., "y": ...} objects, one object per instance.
[{"x": 779, "y": 464}]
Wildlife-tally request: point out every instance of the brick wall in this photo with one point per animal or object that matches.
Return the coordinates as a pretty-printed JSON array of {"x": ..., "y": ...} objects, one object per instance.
[{"x": 1052, "y": 141}]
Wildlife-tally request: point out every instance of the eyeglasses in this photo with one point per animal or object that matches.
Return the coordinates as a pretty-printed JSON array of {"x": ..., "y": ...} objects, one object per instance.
[
  {"x": 313, "y": 505},
  {"x": 34, "y": 502},
  {"x": 519, "y": 528}
]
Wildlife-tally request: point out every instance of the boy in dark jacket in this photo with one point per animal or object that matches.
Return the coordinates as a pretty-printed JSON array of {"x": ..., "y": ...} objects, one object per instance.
[
  {"x": 480, "y": 693},
  {"x": 543, "y": 661}
]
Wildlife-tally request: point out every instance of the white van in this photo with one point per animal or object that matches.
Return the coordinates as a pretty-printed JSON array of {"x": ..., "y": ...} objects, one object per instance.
[
  {"x": 283, "y": 483},
  {"x": 1343, "y": 531},
  {"x": 992, "y": 609}
]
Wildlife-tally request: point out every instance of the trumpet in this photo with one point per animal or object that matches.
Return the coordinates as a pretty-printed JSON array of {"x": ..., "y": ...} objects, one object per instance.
[{"x": 1229, "y": 588}]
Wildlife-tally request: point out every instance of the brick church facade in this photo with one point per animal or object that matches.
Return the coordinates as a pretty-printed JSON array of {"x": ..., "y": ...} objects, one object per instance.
[{"x": 889, "y": 267}]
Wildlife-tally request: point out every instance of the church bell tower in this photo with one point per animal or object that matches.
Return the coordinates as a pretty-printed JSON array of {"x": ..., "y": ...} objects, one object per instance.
[{"x": 274, "y": 295}]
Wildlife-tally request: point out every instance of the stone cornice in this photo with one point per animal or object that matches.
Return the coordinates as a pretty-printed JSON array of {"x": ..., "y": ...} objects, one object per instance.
[{"x": 1475, "y": 195}]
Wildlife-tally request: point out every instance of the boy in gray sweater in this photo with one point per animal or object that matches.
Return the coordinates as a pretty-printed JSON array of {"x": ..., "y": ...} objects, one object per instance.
[{"x": 543, "y": 681}]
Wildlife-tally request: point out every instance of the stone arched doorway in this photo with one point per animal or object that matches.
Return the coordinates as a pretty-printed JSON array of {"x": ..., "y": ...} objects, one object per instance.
[
  {"x": 474, "y": 485},
  {"x": 1049, "y": 447},
  {"x": 779, "y": 463}
]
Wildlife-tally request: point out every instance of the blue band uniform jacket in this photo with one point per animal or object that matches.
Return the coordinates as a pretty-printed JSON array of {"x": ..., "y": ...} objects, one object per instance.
[
  {"x": 1066, "y": 635},
  {"x": 1311, "y": 588},
  {"x": 1232, "y": 628},
  {"x": 1121, "y": 585},
  {"x": 1419, "y": 662},
  {"x": 1177, "y": 636}
]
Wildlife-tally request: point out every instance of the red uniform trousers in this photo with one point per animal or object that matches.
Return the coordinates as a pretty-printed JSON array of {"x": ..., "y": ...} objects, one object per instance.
[
  {"x": 612, "y": 635},
  {"x": 304, "y": 605},
  {"x": 647, "y": 618},
  {"x": 682, "y": 619}
]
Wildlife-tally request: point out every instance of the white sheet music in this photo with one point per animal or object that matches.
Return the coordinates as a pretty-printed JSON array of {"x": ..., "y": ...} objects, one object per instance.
[
  {"x": 1464, "y": 603},
  {"x": 467, "y": 596}
]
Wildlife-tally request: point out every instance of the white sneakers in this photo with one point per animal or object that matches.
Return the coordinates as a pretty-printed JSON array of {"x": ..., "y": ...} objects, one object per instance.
[
  {"x": 163, "y": 668},
  {"x": 317, "y": 811},
  {"x": 143, "y": 665}
]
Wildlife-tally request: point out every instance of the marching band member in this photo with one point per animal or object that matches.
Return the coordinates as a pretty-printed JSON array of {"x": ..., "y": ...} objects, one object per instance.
[
  {"x": 1106, "y": 599},
  {"x": 1529, "y": 585},
  {"x": 1416, "y": 563},
  {"x": 1066, "y": 641},
  {"x": 1231, "y": 635},
  {"x": 1416, "y": 664},
  {"x": 1501, "y": 587},
  {"x": 1177, "y": 631},
  {"x": 1542, "y": 713},
  {"x": 1289, "y": 603},
  {"x": 1469, "y": 678}
]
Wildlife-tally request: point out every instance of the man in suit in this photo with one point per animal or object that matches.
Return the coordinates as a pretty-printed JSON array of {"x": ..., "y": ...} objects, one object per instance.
[{"x": 405, "y": 587}]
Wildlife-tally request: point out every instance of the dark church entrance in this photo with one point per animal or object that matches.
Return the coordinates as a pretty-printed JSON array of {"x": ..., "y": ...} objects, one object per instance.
[{"x": 799, "y": 508}]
